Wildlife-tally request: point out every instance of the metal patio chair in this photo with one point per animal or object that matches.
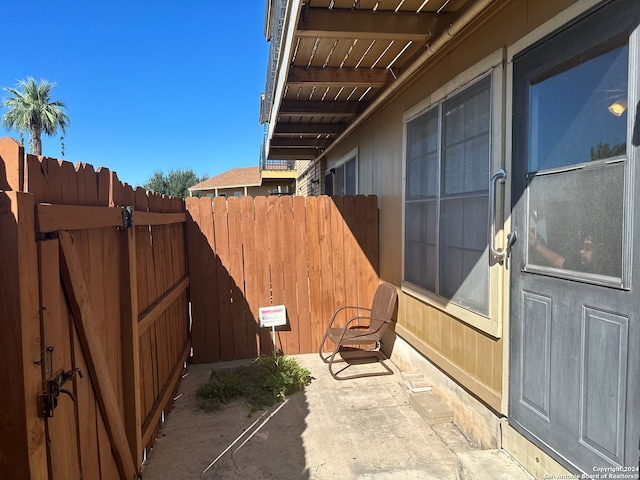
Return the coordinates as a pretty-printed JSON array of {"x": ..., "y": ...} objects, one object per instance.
[{"x": 376, "y": 321}]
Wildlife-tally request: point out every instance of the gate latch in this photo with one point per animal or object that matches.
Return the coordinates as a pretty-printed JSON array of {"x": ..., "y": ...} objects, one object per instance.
[{"x": 48, "y": 400}]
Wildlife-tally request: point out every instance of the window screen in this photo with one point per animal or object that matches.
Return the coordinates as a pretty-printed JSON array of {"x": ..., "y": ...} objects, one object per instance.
[{"x": 446, "y": 198}]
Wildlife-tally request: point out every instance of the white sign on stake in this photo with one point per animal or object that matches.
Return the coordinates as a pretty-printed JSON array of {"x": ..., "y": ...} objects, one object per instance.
[{"x": 273, "y": 316}]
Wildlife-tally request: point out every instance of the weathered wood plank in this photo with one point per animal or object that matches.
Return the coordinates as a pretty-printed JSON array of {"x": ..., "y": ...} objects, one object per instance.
[
  {"x": 300, "y": 252},
  {"x": 51, "y": 218},
  {"x": 61, "y": 428},
  {"x": 35, "y": 182},
  {"x": 23, "y": 433},
  {"x": 326, "y": 261},
  {"x": 350, "y": 252},
  {"x": 263, "y": 267},
  {"x": 288, "y": 249},
  {"x": 146, "y": 296},
  {"x": 131, "y": 388},
  {"x": 238, "y": 305},
  {"x": 86, "y": 411},
  {"x": 220, "y": 219},
  {"x": 158, "y": 218},
  {"x": 274, "y": 232},
  {"x": 315, "y": 285},
  {"x": 159, "y": 259},
  {"x": 250, "y": 275},
  {"x": 82, "y": 309},
  {"x": 196, "y": 243},
  {"x": 165, "y": 396},
  {"x": 372, "y": 243},
  {"x": 149, "y": 316},
  {"x": 11, "y": 165},
  {"x": 338, "y": 257},
  {"x": 210, "y": 283}
]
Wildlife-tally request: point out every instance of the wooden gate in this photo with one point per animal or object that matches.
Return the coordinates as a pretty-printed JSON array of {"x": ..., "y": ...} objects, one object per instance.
[{"x": 94, "y": 308}]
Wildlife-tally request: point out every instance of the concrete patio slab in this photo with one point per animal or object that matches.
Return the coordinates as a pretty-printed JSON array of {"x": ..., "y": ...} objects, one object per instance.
[{"x": 363, "y": 428}]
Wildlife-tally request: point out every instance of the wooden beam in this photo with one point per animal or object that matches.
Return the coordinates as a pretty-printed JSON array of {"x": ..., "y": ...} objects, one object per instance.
[
  {"x": 153, "y": 218},
  {"x": 84, "y": 318},
  {"x": 367, "y": 24},
  {"x": 22, "y": 441},
  {"x": 165, "y": 395},
  {"x": 293, "y": 153},
  {"x": 318, "y": 108},
  {"x": 154, "y": 311},
  {"x": 309, "y": 128},
  {"x": 304, "y": 142},
  {"x": 51, "y": 218},
  {"x": 339, "y": 77}
]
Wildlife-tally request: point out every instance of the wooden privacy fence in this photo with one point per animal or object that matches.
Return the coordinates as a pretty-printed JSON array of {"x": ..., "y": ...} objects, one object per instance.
[
  {"x": 93, "y": 305},
  {"x": 310, "y": 254}
]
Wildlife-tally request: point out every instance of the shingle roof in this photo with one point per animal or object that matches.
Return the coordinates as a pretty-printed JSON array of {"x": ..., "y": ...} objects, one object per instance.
[{"x": 236, "y": 177}]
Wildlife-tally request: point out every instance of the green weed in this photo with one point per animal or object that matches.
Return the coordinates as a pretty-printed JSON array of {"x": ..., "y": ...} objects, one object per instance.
[{"x": 270, "y": 378}]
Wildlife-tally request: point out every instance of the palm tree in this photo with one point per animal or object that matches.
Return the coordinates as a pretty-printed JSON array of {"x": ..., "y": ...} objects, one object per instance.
[{"x": 31, "y": 109}]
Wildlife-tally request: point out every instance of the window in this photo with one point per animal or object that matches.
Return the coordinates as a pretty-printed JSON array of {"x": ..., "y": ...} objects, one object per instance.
[
  {"x": 576, "y": 168},
  {"x": 447, "y": 195},
  {"x": 341, "y": 180}
]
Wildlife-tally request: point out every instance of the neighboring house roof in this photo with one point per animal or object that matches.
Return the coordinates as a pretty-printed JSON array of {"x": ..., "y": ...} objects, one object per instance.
[{"x": 236, "y": 177}]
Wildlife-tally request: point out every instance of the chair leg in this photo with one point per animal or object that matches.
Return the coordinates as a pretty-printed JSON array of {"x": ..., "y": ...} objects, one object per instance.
[
  {"x": 330, "y": 361},
  {"x": 321, "y": 346}
]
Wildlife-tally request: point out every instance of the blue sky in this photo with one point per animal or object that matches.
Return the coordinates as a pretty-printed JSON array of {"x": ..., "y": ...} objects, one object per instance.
[{"x": 148, "y": 85}]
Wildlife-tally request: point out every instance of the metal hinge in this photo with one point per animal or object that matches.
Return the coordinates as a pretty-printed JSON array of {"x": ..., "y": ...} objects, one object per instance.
[{"x": 127, "y": 217}]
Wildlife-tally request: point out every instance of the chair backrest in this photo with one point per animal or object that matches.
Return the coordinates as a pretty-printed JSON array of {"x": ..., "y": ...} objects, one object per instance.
[{"x": 384, "y": 303}]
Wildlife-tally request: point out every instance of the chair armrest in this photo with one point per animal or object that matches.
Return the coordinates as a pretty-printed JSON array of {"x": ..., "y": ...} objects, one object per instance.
[
  {"x": 363, "y": 317},
  {"x": 344, "y": 308}
]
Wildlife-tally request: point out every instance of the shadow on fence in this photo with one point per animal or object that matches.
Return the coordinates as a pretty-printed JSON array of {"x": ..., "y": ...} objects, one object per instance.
[{"x": 310, "y": 254}]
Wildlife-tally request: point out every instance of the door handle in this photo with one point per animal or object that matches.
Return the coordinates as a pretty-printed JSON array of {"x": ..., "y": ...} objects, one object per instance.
[{"x": 498, "y": 253}]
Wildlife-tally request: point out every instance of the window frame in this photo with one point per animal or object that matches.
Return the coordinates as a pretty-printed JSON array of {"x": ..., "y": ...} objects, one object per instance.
[
  {"x": 342, "y": 162},
  {"x": 493, "y": 66}
]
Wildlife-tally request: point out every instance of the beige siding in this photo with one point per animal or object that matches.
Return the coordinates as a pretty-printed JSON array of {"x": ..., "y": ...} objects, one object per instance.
[{"x": 473, "y": 358}]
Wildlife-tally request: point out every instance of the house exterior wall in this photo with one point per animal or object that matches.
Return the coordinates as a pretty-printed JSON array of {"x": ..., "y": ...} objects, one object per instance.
[
  {"x": 230, "y": 192},
  {"x": 310, "y": 180},
  {"x": 474, "y": 359}
]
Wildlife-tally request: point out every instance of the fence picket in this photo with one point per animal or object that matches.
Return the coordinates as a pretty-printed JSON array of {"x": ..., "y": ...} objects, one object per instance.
[
  {"x": 211, "y": 314},
  {"x": 237, "y": 279},
  {"x": 221, "y": 230},
  {"x": 288, "y": 249},
  {"x": 301, "y": 255},
  {"x": 338, "y": 249},
  {"x": 315, "y": 285},
  {"x": 262, "y": 270},
  {"x": 250, "y": 274},
  {"x": 197, "y": 259}
]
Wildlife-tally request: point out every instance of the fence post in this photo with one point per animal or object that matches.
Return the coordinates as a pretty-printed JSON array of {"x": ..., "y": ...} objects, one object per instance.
[
  {"x": 11, "y": 165},
  {"x": 23, "y": 452}
]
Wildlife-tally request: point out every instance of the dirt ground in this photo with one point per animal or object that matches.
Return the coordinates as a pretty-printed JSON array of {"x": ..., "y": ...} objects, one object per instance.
[{"x": 361, "y": 428}]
